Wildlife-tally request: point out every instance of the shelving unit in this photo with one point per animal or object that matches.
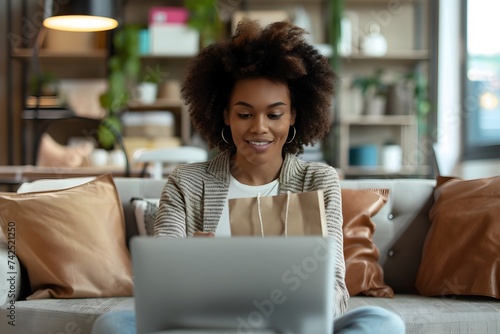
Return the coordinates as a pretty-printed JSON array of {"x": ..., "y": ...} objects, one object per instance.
[
  {"x": 174, "y": 66},
  {"x": 405, "y": 25},
  {"x": 64, "y": 65},
  {"x": 87, "y": 65},
  {"x": 359, "y": 130},
  {"x": 136, "y": 12},
  {"x": 175, "y": 106},
  {"x": 411, "y": 48}
]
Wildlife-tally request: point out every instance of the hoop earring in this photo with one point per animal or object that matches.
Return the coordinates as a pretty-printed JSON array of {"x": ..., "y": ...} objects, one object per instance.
[
  {"x": 293, "y": 137},
  {"x": 222, "y": 135}
]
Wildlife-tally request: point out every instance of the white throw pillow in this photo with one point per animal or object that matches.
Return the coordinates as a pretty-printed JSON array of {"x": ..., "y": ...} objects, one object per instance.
[
  {"x": 145, "y": 214},
  {"x": 52, "y": 184}
]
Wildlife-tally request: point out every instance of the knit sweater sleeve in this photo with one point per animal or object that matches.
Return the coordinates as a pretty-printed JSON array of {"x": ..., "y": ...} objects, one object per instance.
[
  {"x": 333, "y": 210},
  {"x": 180, "y": 210}
]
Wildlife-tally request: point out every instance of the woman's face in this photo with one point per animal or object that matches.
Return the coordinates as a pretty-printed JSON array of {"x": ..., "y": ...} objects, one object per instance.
[{"x": 260, "y": 117}]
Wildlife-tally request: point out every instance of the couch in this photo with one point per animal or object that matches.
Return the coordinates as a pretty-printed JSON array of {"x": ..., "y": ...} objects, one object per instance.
[{"x": 401, "y": 228}]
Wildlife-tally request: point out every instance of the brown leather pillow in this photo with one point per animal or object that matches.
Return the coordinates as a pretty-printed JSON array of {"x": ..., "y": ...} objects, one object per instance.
[
  {"x": 462, "y": 248},
  {"x": 71, "y": 241},
  {"x": 364, "y": 275}
]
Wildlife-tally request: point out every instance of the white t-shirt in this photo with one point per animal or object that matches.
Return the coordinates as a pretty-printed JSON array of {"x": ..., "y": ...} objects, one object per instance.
[{"x": 240, "y": 190}]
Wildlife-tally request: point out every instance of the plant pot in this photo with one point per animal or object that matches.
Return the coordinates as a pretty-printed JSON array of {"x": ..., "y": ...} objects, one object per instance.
[
  {"x": 145, "y": 93},
  {"x": 375, "y": 105},
  {"x": 400, "y": 99}
]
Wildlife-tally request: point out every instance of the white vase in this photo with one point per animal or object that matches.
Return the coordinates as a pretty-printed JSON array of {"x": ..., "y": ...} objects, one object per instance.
[
  {"x": 99, "y": 157},
  {"x": 374, "y": 44},
  {"x": 117, "y": 158},
  {"x": 392, "y": 158}
]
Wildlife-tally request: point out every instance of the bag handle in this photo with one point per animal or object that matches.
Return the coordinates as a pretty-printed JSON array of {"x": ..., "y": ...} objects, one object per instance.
[{"x": 286, "y": 214}]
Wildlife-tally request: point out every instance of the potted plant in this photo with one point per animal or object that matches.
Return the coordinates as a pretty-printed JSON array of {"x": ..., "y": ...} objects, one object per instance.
[
  {"x": 420, "y": 97},
  {"x": 374, "y": 92},
  {"x": 124, "y": 67},
  {"x": 203, "y": 16},
  {"x": 43, "y": 91},
  {"x": 46, "y": 84}
]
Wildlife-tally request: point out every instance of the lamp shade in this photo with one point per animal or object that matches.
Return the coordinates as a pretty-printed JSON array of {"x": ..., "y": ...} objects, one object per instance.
[{"x": 80, "y": 15}]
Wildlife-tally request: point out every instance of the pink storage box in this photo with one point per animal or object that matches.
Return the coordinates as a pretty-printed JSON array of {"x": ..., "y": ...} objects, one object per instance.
[{"x": 162, "y": 15}]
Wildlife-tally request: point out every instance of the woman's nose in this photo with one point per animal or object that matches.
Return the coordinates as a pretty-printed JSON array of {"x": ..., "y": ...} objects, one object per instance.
[{"x": 259, "y": 124}]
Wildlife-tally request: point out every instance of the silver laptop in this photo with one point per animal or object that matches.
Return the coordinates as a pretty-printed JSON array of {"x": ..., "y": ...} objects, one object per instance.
[{"x": 234, "y": 285}]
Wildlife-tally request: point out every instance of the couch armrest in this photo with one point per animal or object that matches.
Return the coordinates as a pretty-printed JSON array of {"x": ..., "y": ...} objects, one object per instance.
[{"x": 10, "y": 273}]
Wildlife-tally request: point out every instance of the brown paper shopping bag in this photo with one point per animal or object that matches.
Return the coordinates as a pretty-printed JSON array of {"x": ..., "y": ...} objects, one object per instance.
[{"x": 288, "y": 215}]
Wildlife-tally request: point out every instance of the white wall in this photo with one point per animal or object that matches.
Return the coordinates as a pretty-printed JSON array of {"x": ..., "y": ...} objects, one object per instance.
[{"x": 450, "y": 108}]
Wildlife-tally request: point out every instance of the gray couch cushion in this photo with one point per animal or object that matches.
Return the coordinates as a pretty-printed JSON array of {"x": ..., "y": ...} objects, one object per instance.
[
  {"x": 60, "y": 315},
  {"x": 439, "y": 315}
]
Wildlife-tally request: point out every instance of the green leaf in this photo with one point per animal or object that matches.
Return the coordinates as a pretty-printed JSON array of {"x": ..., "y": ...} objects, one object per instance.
[
  {"x": 106, "y": 137},
  {"x": 108, "y": 130}
]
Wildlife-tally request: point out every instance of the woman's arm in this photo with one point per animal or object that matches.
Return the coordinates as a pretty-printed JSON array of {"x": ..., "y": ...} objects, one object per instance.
[
  {"x": 328, "y": 180},
  {"x": 171, "y": 216}
]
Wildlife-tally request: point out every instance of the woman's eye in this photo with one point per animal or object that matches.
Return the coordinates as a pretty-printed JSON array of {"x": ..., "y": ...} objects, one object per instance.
[
  {"x": 244, "y": 115},
  {"x": 275, "y": 116}
]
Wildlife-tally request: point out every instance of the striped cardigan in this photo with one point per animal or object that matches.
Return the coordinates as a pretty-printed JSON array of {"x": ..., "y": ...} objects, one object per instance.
[{"x": 194, "y": 196}]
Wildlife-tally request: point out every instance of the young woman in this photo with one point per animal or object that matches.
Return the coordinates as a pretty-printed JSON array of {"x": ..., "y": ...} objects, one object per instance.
[{"x": 259, "y": 98}]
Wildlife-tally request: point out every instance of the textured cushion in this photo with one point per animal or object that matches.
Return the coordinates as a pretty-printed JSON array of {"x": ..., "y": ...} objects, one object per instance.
[
  {"x": 364, "y": 275},
  {"x": 57, "y": 316},
  {"x": 461, "y": 252},
  {"x": 71, "y": 241},
  {"x": 145, "y": 214},
  {"x": 435, "y": 315}
]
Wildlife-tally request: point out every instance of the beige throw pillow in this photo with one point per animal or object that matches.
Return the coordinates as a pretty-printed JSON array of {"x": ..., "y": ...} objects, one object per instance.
[{"x": 71, "y": 241}]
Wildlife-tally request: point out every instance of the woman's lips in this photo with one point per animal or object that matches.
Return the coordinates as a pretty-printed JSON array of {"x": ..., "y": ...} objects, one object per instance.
[{"x": 259, "y": 145}]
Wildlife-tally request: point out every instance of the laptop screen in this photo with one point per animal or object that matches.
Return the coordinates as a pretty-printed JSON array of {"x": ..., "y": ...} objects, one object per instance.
[{"x": 240, "y": 284}]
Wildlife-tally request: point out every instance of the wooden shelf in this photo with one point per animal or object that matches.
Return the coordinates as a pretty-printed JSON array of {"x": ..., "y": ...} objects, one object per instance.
[
  {"x": 160, "y": 56},
  {"x": 160, "y": 104},
  {"x": 288, "y": 2},
  {"x": 379, "y": 120},
  {"x": 47, "y": 113},
  {"x": 377, "y": 2},
  {"x": 406, "y": 171},
  {"x": 67, "y": 65},
  {"x": 27, "y": 54},
  {"x": 399, "y": 56}
]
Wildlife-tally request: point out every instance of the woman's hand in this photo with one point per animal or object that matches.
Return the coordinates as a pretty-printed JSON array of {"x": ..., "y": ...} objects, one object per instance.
[{"x": 204, "y": 234}]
